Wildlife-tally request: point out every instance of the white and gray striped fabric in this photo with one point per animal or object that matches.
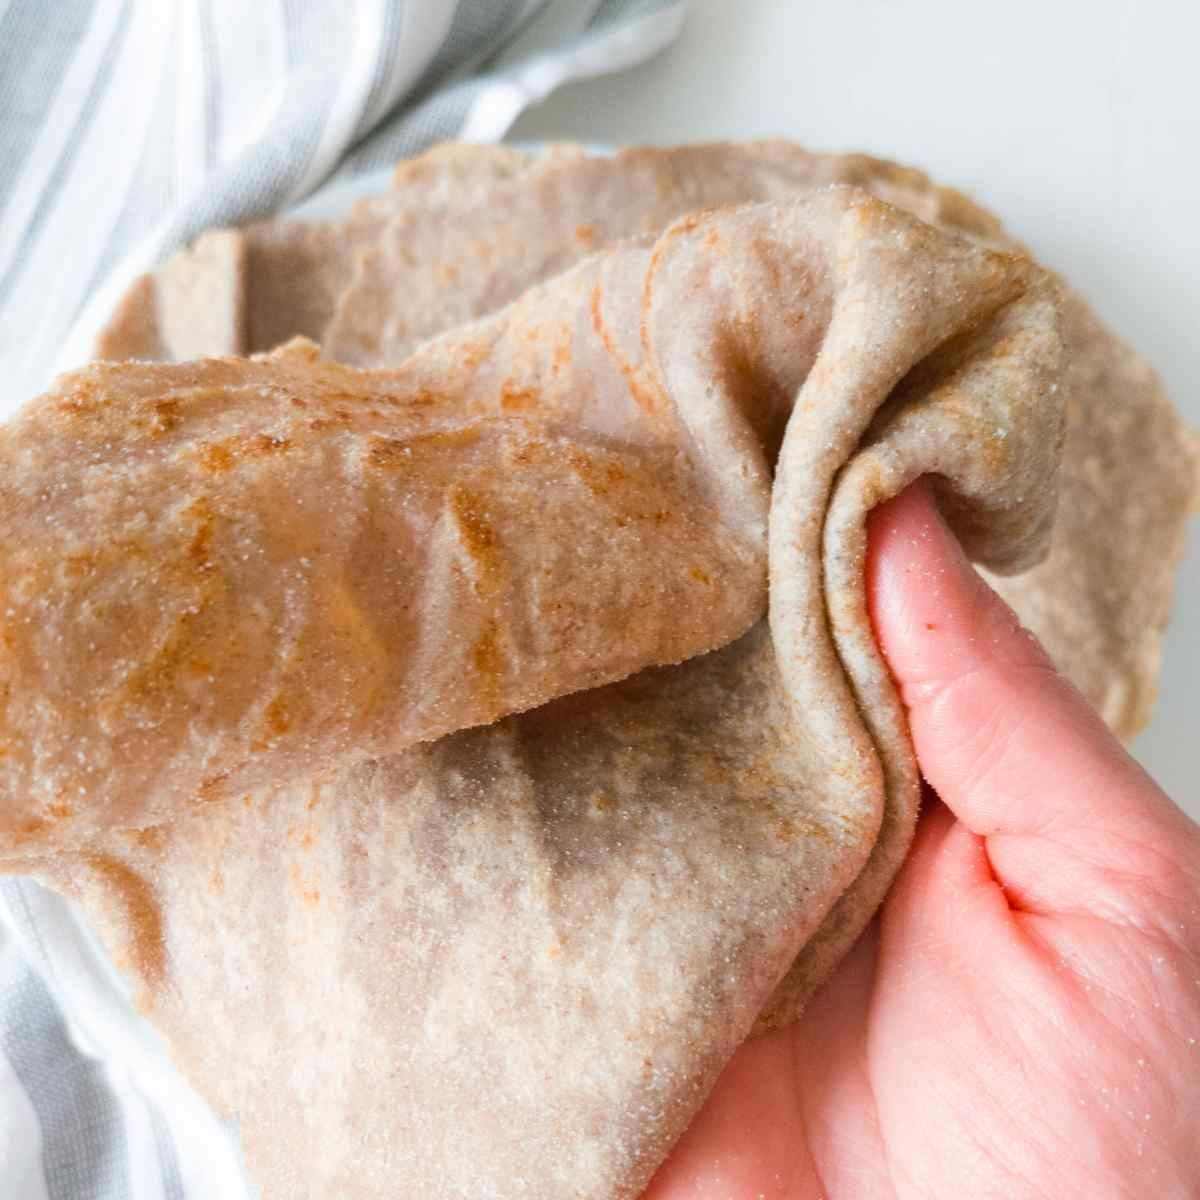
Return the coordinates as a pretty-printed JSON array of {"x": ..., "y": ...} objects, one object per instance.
[{"x": 126, "y": 128}]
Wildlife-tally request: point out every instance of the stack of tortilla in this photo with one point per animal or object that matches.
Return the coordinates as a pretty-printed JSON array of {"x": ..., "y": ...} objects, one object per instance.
[{"x": 462, "y": 724}]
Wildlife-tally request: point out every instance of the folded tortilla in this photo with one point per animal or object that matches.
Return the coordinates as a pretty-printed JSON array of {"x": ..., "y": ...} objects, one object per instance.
[
  {"x": 466, "y": 229},
  {"x": 257, "y": 647}
]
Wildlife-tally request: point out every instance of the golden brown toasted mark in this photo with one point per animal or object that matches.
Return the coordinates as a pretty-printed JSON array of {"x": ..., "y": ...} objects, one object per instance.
[
  {"x": 598, "y": 476},
  {"x": 84, "y": 400},
  {"x": 700, "y": 575},
  {"x": 488, "y": 661},
  {"x": 31, "y": 830},
  {"x": 145, "y": 949},
  {"x": 394, "y": 454},
  {"x": 154, "y": 838},
  {"x": 276, "y": 722},
  {"x": 645, "y": 396},
  {"x": 199, "y": 551},
  {"x": 60, "y": 810},
  {"x": 585, "y": 235},
  {"x": 478, "y": 537},
  {"x": 218, "y": 457},
  {"x": 210, "y": 788},
  {"x": 167, "y": 417},
  {"x": 421, "y": 398},
  {"x": 277, "y": 719},
  {"x": 178, "y": 654},
  {"x": 514, "y": 398}
]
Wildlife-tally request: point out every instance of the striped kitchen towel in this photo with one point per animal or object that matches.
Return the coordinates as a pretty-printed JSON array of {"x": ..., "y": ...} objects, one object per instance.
[
  {"x": 126, "y": 128},
  {"x": 129, "y": 126}
]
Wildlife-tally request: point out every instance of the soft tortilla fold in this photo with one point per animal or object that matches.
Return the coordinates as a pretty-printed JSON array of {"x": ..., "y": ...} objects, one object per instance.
[
  {"x": 511, "y": 961},
  {"x": 466, "y": 229}
]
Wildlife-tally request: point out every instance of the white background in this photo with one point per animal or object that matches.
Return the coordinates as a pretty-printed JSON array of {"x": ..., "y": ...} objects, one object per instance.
[{"x": 1078, "y": 123}]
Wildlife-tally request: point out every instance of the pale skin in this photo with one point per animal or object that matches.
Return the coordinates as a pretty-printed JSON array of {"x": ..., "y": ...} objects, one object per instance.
[{"x": 1023, "y": 1017}]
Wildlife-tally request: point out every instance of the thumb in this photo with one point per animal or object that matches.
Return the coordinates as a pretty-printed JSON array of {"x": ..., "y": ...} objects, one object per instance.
[{"x": 1016, "y": 753}]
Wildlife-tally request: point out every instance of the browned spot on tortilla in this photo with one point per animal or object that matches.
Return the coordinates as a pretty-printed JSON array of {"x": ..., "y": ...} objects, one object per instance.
[
  {"x": 599, "y": 476},
  {"x": 423, "y": 398},
  {"x": 199, "y": 549},
  {"x": 144, "y": 948},
  {"x": 275, "y": 723},
  {"x": 154, "y": 679},
  {"x": 478, "y": 537},
  {"x": 152, "y": 838},
  {"x": 60, "y": 810},
  {"x": 488, "y": 661},
  {"x": 80, "y": 402},
  {"x": 216, "y": 882},
  {"x": 277, "y": 719},
  {"x": 514, "y": 398},
  {"x": 218, "y": 457},
  {"x": 210, "y": 787},
  {"x": 700, "y": 575},
  {"x": 393, "y": 454},
  {"x": 586, "y": 234},
  {"x": 645, "y": 395},
  {"x": 31, "y": 830},
  {"x": 329, "y": 421},
  {"x": 166, "y": 417}
]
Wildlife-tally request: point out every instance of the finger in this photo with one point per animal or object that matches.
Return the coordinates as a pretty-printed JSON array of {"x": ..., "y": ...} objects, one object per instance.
[{"x": 1007, "y": 742}]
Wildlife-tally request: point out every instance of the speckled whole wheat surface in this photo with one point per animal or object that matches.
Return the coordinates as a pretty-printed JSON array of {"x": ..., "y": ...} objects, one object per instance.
[
  {"x": 467, "y": 228},
  {"x": 489, "y": 875},
  {"x": 510, "y": 961}
]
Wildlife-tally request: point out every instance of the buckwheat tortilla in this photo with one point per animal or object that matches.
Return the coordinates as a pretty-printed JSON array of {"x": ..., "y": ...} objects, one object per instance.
[
  {"x": 509, "y": 960},
  {"x": 466, "y": 229}
]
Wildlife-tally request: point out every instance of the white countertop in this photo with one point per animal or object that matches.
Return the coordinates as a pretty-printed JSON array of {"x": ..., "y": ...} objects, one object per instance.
[{"x": 1077, "y": 122}]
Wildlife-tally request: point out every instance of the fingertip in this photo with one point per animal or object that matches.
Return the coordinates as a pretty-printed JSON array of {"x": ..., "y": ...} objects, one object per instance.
[
  {"x": 933, "y": 614},
  {"x": 1006, "y": 742}
]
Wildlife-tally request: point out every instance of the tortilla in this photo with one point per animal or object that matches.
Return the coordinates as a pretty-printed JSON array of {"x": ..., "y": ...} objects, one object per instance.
[
  {"x": 511, "y": 961},
  {"x": 466, "y": 229}
]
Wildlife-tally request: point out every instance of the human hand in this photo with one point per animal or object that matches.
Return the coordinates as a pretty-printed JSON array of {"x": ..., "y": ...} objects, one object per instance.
[{"x": 1023, "y": 1017}]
